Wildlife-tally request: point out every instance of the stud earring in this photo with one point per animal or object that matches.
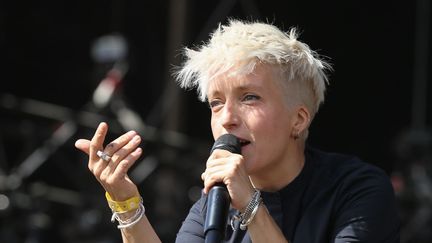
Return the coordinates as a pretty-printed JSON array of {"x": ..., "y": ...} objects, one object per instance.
[{"x": 296, "y": 135}]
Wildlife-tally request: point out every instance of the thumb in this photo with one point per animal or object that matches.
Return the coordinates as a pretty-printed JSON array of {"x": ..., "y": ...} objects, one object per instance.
[{"x": 83, "y": 145}]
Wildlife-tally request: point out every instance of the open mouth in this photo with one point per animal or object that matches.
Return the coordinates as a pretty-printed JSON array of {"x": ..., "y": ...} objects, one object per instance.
[{"x": 244, "y": 142}]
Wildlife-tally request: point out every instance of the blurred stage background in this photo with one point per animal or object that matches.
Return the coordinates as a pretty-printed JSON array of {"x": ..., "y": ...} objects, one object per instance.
[{"x": 66, "y": 66}]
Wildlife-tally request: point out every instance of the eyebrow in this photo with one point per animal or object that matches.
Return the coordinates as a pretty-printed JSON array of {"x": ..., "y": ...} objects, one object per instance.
[
  {"x": 249, "y": 86},
  {"x": 242, "y": 87}
]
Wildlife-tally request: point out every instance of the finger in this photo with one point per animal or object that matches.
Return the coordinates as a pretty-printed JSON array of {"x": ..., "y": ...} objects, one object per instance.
[
  {"x": 124, "y": 165},
  {"x": 126, "y": 149},
  {"x": 211, "y": 178},
  {"x": 118, "y": 143},
  {"x": 222, "y": 156},
  {"x": 83, "y": 145},
  {"x": 223, "y": 161},
  {"x": 215, "y": 172},
  {"x": 122, "y": 153},
  {"x": 220, "y": 170},
  {"x": 97, "y": 141},
  {"x": 220, "y": 153},
  {"x": 105, "y": 170}
]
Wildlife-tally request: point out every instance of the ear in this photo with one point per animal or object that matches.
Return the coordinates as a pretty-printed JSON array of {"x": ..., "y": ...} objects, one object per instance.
[{"x": 301, "y": 121}]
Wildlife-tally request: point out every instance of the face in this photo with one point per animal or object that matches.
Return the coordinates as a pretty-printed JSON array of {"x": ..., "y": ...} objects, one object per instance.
[{"x": 253, "y": 108}]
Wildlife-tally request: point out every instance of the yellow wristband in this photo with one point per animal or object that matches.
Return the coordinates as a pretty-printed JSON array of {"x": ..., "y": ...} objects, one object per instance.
[{"x": 123, "y": 206}]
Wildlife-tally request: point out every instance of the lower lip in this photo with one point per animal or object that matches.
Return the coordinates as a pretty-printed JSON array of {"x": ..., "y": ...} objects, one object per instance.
[{"x": 244, "y": 146}]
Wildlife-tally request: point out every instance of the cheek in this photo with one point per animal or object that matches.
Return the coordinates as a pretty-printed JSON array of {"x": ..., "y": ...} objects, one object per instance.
[
  {"x": 214, "y": 128},
  {"x": 271, "y": 126},
  {"x": 262, "y": 122}
]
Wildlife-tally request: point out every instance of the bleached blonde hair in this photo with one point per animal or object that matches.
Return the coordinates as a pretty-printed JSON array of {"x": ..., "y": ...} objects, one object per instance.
[{"x": 238, "y": 47}]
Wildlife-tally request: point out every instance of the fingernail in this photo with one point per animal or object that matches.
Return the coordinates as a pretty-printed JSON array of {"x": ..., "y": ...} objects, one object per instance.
[
  {"x": 136, "y": 139},
  {"x": 131, "y": 133}
]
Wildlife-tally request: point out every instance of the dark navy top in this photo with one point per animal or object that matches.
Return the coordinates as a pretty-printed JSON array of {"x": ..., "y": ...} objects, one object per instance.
[{"x": 335, "y": 198}]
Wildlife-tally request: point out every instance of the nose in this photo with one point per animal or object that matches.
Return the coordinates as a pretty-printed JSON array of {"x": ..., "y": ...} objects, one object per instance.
[{"x": 230, "y": 117}]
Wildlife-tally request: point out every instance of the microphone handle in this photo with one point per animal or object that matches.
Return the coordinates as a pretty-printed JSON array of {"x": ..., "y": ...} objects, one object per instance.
[
  {"x": 213, "y": 236},
  {"x": 218, "y": 202}
]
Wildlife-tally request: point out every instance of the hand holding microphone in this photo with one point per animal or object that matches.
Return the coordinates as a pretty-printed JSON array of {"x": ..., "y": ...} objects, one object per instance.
[{"x": 225, "y": 179}]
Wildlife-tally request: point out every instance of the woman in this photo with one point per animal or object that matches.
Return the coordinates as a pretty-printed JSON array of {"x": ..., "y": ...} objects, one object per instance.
[{"x": 263, "y": 86}]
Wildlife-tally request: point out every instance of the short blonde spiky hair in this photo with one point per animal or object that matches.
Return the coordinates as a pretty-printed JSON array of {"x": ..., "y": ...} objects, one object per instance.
[{"x": 238, "y": 47}]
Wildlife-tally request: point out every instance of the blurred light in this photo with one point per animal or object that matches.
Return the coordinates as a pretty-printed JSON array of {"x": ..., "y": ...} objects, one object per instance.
[
  {"x": 109, "y": 48},
  {"x": 4, "y": 202}
]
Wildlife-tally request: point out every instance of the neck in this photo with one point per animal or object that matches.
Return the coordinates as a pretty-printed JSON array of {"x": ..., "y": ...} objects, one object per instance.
[{"x": 275, "y": 178}]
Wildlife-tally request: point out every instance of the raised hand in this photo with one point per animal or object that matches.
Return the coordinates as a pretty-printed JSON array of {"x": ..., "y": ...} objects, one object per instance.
[{"x": 121, "y": 154}]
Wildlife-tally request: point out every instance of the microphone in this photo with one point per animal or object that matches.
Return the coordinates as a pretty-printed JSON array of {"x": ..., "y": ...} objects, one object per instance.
[{"x": 218, "y": 199}]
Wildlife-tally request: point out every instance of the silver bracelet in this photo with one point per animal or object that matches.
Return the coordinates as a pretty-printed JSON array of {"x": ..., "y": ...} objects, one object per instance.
[{"x": 248, "y": 215}]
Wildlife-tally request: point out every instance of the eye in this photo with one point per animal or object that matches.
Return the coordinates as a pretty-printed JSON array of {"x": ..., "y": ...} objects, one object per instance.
[
  {"x": 215, "y": 103},
  {"x": 250, "y": 97}
]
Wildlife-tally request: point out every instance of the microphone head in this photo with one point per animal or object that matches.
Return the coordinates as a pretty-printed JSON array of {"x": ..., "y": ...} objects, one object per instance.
[{"x": 227, "y": 142}]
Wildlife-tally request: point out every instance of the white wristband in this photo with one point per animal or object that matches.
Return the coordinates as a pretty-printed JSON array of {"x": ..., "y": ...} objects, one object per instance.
[{"x": 130, "y": 221}]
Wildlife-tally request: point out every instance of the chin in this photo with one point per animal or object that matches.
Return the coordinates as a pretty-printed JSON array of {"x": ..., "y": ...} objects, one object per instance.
[{"x": 251, "y": 168}]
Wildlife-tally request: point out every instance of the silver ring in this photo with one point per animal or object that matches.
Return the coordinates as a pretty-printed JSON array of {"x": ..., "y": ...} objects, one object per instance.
[{"x": 104, "y": 156}]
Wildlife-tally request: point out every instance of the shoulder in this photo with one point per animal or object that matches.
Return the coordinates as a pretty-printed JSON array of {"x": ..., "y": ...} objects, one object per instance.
[
  {"x": 363, "y": 201},
  {"x": 344, "y": 169},
  {"x": 349, "y": 183}
]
